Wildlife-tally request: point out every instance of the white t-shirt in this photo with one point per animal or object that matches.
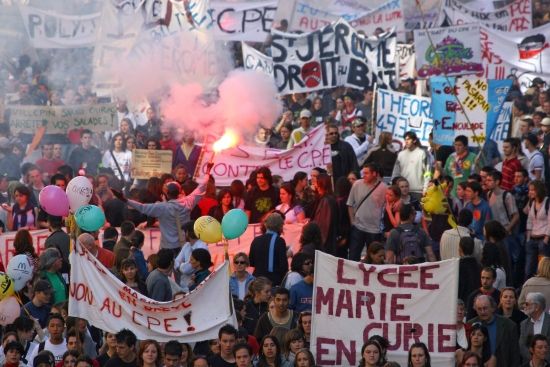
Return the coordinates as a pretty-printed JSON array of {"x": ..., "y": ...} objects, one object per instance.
[
  {"x": 57, "y": 349},
  {"x": 124, "y": 160},
  {"x": 536, "y": 162}
]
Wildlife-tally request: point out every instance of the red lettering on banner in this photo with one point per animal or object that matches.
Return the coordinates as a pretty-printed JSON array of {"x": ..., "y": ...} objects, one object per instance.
[
  {"x": 366, "y": 299},
  {"x": 520, "y": 8},
  {"x": 125, "y": 297},
  {"x": 382, "y": 277},
  {"x": 340, "y": 274},
  {"x": 112, "y": 307},
  {"x": 406, "y": 272},
  {"x": 366, "y": 273},
  {"x": 168, "y": 326},
  {"x": 396, "y": 306},
  {"x": 411, "y": 331},
  {"x": 324, "y": 298},
  {"x": 153, "y": 238},
  {"x": 425, "y": 274},
  {"x": 344, "y": 303},
  {"x": 430, "y": 337},
  {"x": 152, "y": 321},
  {"x": 80, "y": 291},
  {"x": 444, "y": 337},
  {"x": 519, "y": 24},
  {"x": 383, "y": 307},
  {"x": 342, "y": 350}
]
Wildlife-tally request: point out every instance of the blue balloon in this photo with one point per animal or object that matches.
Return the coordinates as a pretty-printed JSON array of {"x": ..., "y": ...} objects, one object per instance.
[
  {"x": 89, "y": 218},
  {"x": 234, "y": 223}
]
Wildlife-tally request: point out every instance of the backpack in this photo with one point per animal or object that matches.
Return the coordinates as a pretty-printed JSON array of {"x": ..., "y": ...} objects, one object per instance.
[{"x": 409, "y": 243}]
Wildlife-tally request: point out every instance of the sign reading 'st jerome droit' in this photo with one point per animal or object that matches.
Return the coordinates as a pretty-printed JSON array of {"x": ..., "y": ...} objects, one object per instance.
[
  {"x": 353, "y": 301},
  {"x": 60, "y": 119}
]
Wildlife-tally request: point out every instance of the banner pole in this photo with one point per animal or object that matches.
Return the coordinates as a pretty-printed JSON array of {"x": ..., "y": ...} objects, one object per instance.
[{"x": 373, "y": 109}]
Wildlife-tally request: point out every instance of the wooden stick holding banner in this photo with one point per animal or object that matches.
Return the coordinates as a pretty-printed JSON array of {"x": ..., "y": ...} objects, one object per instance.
[
  {"x": 373, "y": 109},
  {"x": 199, "y": 161}
]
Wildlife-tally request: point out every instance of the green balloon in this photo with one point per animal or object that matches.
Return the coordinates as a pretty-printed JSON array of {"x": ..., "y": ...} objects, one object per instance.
[
  {"x": 89, "y": 218},
  {"x": 234, "y": 223}
]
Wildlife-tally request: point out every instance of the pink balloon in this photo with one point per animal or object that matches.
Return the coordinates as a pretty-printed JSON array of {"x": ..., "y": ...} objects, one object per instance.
[
  {"x": 54, "y": 201},
  {"x": 9, "y": 311}
]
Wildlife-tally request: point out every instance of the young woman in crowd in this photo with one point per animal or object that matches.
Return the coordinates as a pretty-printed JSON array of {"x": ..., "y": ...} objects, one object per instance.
[
  {"x": 508, "y": 306},
  {"x": 256, "y": 301},
  {"x": 22, "y": 214},
  {"x": 325, "y": 213},
  {"x": 304, "y": 325},
  {"x": 371, "y": 354},
  {"x": 293, "y": 342},
  {"x": 118, "y": 158},
  {"x": 69, "y": 358},
  {"x": 126, "y": 128},
  {"x": 300, "y": 265},
  {"x": 310, "y": 239},
  {"x": 537, "y": 227},
  {"x": 150, "y": 354},
  {"x": 391, "y": 210},
  {"x": 478, "y": 343},
  {"x": 238, "y": 191},
  {"x": 471, "y": 359},
  {"x": 225, "y": 204},
  {"x": 419, "y": 356},
  {"x": 375, "y": 253},
  {"x": 304, "y": 358},
  {"x": 270, "y": 353},
  {"x": 293, "y": 212},
  {"x": 241, "y": 278},
  {"x": 201, "y": 262},
  {"x": 23, "y": 245},
  {"x": 129, "y": 276},
  {"x": 108, "y": 349}
]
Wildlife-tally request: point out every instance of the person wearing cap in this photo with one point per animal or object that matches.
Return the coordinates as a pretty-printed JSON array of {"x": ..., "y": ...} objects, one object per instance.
[
  {"x": 535, "y": 158},
  {"x": 346, "y": 116},
  {"x": 39, "y": 306},
  {"x": 268, "y": 252},
  {"x": 171, "y": 214},
  {"x": 50, "y": 263},
  {"x": 359, "y": 140},
  {"x": 305, "y": 127}
]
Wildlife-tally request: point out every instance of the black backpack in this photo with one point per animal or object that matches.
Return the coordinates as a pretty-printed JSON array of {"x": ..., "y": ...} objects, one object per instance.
[{"x": 409, "y": 243}]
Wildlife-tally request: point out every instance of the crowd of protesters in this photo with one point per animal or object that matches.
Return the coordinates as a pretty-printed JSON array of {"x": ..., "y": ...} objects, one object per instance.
[{"x": 364, "y": 206}]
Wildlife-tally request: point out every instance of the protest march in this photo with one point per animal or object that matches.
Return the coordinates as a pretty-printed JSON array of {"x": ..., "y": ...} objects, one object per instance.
[{"x": 269, "y": 183}]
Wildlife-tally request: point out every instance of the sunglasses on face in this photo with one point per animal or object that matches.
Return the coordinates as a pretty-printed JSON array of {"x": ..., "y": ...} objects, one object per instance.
[{"x": 239, "y": 262}]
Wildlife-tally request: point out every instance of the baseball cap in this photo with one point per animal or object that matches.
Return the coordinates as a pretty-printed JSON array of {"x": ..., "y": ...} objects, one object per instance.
[
  {"x": 42, "y": 286},
  {"x": 545, "y": 121},
  {"x": 536, "y": 81},
  {"x": 359, "y": 121},
  {"x": 305, "y": 113}
]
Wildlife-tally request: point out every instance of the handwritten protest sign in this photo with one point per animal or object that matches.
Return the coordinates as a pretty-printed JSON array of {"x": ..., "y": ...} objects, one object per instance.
[
  {"x": 239, "y": 162},
  {"x": 499, "y": 130},
  {"x": 387, "y": 16},
  {"x": 255, "y": 60},
  {"x": 334, "y": 56},
  {"x": 455, "y": 51},
  {"x": 48, "y": 29},
  {"x": 466, "y": 106},
  {"x": 406, "y": 56},
  {"x": 401, "y": 112},
  {"x": 150, "y": 163},
  {"x": 60, "y": 119},
  {"x": 513, "y": 17},
  {"x": 151, "y": 243},
  {"x": 98, "y": 296},
  {"x": 353, "y": 301},
  {"x": 523, "y": 55}
]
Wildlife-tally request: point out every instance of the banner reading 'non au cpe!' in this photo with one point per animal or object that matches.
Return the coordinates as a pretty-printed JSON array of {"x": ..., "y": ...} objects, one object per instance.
[
  {"x": 353, "y": 301},
  {"x": 96, "y": 295}
]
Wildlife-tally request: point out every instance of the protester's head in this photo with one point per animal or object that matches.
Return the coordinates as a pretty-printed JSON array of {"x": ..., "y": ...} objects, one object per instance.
[
  {"x": 44, "y": 358},
  {"x": 189, "y": 230},
  {"x": 479, "y": 338},
  {"x": 23, "y": 243},
  {"x": 269, "y": 348},
  {"x": 371, "y": 353},
  {"x": 324, "y": 184},
  {"x": 385, "y": 140},
  {"x": 419, "y": 356},
  {"x": 241, "y": 261},
  {"x": 22, "y": 195},
  {"x": 56, "y": 327},
  {"x": 173, "y": 351},
  {"x": 125, "y": 343},
  {"x": 281, "y": 297},
  {"x": 304, "y": 358},
  {"x": 137, "y": 238},
  {"x": 149, "y": 353},
  {"x": 67, "y": 171},
  {"x": 535, "y": 304},
  {"x": 201, "y": 259},
  {"x": 473, "y": 190},
  {"x": 293, "y": 340},
  {"x": 50, "y": 260},
  {"x": 75, "y": 340},
  {"x": 274, "y": 222},
  {"x": 485, "y": 307},
  {"x": 264, "y": 177},
  {"x": 465, "y": 218},
  {"x": 466, "y": 245},
  {"x": 227, "y": 335},
  {"x": 333, "y": 136},
  {"x": 471, "y": 359},
  {"x": 494, "y": 231},
  {"x": 13, "y": 350},
  {"x": 301, "y": 263},
  {"x": 538, "y": 347},
  {"x": 411, "y": 140},
  {"x": 199, "y": 361},
  {"x": 544, "y": 268},
  {"x": 24, "y": 327},
  {"x": 165, "y": 259},
  {"x": 537, "y": 190},
  {"x": 531, "y": 141},
  {"x": 242, "y": 353},
  {"x": 127, "y": 228},
  {"x": 407, "y": 213},
  {"x": 59, "y": 180},
  {"x": 88, "y": 242},
  {"x": 375, "y": 253},
  {"x": 488, "y": 277},
  {"x": 84, "y": 361},
  {"x": 259, "y": 290},
  {"x": 110, "y": 233}
]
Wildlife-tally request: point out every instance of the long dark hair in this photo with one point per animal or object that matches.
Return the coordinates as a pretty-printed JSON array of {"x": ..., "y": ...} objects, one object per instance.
[
  {"x": 377, "y": 345},
  {"x": 262, "y": 361},
  {"x": 426, "y": 353},
  {"x": 486, "y": 351}
]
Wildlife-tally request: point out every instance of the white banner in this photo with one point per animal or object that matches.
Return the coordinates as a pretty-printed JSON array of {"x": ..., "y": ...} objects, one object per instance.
[
  {"x": 97, "y": 295},
  {"x": 388, "y": 16},
  {"x": 524, "y": 55},
  {"x": 428, "y": 16},
  {"x": 514, "y": 17},
  {"x": 237, "y": 163},
  {"x": 53, "y": 30},
  {"x": 407, "y": 57},
  {"x": 151, "y": 243},
  {"x": 455, "y": 51},
  {"x": 242, "y": 21},
  {"x": 255, "y": 60},
  {"x": 353, "y": 301},
  {"x": 334, "y": 56},
  {"x": 398, "y": 113},
  {"x": 499, "y": 132}
]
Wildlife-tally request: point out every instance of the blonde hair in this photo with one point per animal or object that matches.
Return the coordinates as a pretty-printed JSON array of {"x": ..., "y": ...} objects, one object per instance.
[{"x": 544, "y": 268}]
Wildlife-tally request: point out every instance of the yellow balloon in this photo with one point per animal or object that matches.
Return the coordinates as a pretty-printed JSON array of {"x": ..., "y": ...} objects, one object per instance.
[
  {"x": 6, "y": 286},
  {"x": 208, "y": 229}
]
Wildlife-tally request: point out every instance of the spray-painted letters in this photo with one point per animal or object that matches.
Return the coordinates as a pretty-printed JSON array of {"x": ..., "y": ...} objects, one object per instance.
[{"x": 514, "y": 17}]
